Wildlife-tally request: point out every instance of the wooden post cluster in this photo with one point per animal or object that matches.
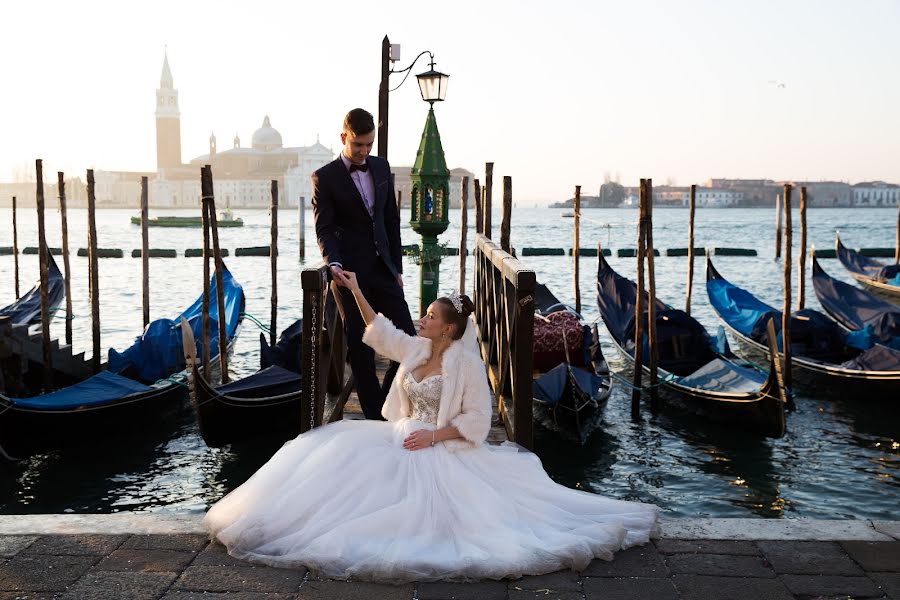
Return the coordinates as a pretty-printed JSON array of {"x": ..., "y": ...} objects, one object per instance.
[
  {"x": 145, "y": 250},
  {"x": 463, "y": 233},
  {"x": 205, "y": 194},
  {"x": 61, "y": 184},
  {"x": 801, "y": 260},
  {"x": 506, "y": 216},
  {"x": 651, "y": 308},
  {"x": 273, "y": 256},
  {"x": 94, "y": 272},
  {"x": 43, "y": 257},
  {"x": 488, "y": 197},
  {"x": 479, "y": 206},
  {"x": 645, "y": 250},
  {"x": 786, "y": 311},
  {"x": 206, "y": 175},
  {"x": 690, "y": 281},
  {"x": 576, "y": 248}
]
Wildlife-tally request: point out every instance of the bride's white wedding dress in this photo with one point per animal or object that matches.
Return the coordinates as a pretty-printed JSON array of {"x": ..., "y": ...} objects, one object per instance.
[{"x": 347, "y": 500}]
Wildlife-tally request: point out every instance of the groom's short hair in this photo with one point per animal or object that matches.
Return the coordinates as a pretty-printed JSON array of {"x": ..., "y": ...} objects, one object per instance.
[{"x": 359, "y": 122}]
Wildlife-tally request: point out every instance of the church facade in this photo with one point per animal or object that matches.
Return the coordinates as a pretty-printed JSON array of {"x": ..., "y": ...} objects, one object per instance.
[{"x": 242, "y": 175}]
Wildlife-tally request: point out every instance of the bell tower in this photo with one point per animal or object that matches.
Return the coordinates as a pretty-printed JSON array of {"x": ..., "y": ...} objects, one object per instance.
[{"x": 168, "y": 121}]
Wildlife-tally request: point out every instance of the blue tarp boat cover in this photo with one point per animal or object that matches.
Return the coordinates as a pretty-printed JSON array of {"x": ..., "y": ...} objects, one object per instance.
[
  {"x": 27, "y": 309},
  {"x": 868, "y": 267},
  {"x": 857, "y": 309},
  {"x": 271, "y": 381},
  {"x": 682, "y": 343},
  {"x": 723, "y": 376},
  {"x": 876, "y": 358},
  {"x": 551, "y": 386},
  {"x": 286, "y": 352},
  {"x": 100, "y": 389},
  {"x": 158, "y": 352}
]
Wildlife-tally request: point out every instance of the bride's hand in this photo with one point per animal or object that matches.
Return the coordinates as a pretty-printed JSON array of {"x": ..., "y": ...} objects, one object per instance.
[{"x": 419, "y": 439}]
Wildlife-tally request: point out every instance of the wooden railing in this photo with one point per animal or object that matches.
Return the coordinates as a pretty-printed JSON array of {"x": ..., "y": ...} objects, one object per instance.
[
  {"x": 324, "y": 351},
  {"x": 504, "y": 311}
]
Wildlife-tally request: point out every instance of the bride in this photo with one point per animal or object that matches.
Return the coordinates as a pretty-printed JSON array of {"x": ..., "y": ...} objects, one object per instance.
[{"x": 421, "y": 497}]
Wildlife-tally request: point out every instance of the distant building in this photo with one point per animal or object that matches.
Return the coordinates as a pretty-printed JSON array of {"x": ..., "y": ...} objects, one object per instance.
[
  {"x": 826, "y": 194},
  {"x": 708, "y": 197},
  {"x": 876, "y": 193}
]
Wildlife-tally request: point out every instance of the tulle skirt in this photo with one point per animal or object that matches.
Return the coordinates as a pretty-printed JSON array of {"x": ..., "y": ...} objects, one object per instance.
[{"x": 348, "y": 501}]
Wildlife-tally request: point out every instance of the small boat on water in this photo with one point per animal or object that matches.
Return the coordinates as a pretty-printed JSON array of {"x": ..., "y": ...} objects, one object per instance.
[
  {"x": 875, "y": 275},
  {"x": 226, "y": 219},
  {"x": 134, "y": 387},
  {"x": 825, "y": 356},
  {"x": 857, "y": 310},
  {"x": 696, "y": 371},
  {"x": 27, "y": 309},
  {"x": 266, "y": 403},
  {"x": 572, "y": 381}
]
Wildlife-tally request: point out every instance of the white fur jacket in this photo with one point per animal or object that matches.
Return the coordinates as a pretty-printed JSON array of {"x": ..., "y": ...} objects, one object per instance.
[{"x": 465, "y": 396}]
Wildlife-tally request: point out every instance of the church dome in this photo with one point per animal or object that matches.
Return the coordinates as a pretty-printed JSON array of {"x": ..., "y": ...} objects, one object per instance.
[{"x": 266, "y": 137}]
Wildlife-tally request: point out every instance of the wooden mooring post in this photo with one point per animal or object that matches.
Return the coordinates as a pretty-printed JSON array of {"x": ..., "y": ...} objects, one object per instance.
[
  {"x": 651, "y": 308},
  {"x": 273, "y": 257},
  {"x": 220, "y": 275},
  {"x": 479, "y": 206},
  {"x": 43, "y": 258},
  {"x": 777, "y": 227},
  {"x": 504, "y": 312},
  {"x": 690, "y": 280},
  {"x": 93, "y": 272},
  {"x": 15, "y": 246},
  {"x": 506, "y": 215},
  {"x": 463, "y": 233},
  {"x": 205, "y": 194},
  {"x": 302, "y": 226},
  {"x": 801, "y": 260},
  {"x": 145, "y": 250},
  {"x": 576, "y": 248},
  {"x": 786, "y": 310},
  {"x": 67, "y": 273},
  {"x": 488, "y": 197},
  {"x": 896, "y": 238}
]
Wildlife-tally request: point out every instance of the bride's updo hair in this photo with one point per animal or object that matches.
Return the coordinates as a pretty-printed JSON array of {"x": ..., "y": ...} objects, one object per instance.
[{"x": 458, "y": 319}]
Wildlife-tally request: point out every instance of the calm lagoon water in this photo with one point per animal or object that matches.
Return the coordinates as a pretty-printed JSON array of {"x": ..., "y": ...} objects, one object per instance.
[{"x": 839, "y": 459}]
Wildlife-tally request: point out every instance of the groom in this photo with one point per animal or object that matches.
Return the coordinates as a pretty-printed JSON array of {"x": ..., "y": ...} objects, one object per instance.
[{"x": 358, "y": 229}]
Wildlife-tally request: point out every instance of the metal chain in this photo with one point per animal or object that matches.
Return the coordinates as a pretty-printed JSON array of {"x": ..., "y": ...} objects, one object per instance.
[{"x": 314, "y": 351}]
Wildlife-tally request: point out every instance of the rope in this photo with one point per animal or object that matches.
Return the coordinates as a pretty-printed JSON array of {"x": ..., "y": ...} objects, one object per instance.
[
  {"x": 257, "y": 322},
  {"x": 170, "y": 380},
  {"x": 669, "y": 377}
]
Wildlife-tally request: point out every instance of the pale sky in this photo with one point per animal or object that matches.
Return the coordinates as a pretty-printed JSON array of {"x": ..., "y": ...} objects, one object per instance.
[{"x": 554, "y": 93}]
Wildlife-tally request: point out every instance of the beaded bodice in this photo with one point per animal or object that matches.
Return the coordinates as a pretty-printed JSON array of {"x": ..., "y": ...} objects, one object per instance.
[{"x": 424, "y": 396}]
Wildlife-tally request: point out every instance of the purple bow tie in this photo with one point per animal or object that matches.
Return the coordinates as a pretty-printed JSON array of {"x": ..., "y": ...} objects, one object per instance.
[{"x": 355, "y": 167}]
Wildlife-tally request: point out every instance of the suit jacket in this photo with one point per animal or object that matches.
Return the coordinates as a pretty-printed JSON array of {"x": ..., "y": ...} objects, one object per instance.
[
  {"x": 465, "y": 395},
  {"x": 345, "y": 231}
]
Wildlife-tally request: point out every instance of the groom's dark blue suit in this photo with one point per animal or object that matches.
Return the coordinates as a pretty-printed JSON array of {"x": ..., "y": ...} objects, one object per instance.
[{"x": 368, "y": 245}]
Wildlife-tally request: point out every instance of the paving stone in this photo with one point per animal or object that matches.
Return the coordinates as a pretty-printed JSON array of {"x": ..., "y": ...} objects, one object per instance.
[
  {"x": 644, "y": 561},
  {"x": 875, "y": 556},
  {"x": 10, "y": 545},
  {"x": 240, "y": 579},
  {"x": 187, "y": 595},
  {"x": 128, "y": 559},
  {"x": 343, "y": 590},
  {"x": 30, "y": 595},
  {"x": 831, "y": 585},
  {"x": 629, "y": 588},
  {"x": 216, "y": 555},
  {"x": 724, "y": 565},
  {"x": 739, "y": 547},
  {"x": 891, "y": 528},
  {"x": 809, "y": 558},
  {"x": 180, "y": 542},
  {"x": 556, "y": 582},
  {"x": 889, "y": 582},
  {"x": 77, "y": 545},
  {"x": 515, "y": 594},
  {"x": 702, "y": 587},
  {"x": 43, "y": 573},
  {"x": 106, "y": 585},
  {"x": 484, "y": 590}
]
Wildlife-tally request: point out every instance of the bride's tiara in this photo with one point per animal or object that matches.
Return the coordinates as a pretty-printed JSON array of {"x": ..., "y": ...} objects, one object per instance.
[{"x": 456, "y": 300}]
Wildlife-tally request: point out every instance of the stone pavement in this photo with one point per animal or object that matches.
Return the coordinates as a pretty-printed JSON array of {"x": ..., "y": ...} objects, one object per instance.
[{"x": 92, "y": 557}]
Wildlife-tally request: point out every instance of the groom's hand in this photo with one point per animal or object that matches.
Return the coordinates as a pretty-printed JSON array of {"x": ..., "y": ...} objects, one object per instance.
[{"x": 336, "y": 272}]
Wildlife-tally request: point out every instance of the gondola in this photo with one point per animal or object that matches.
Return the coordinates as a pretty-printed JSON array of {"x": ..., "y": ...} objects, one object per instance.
[
  {"x": 140, "y": 384},
  {"x": 857, "y": 310},
  {"x": 825, "y": 357},
  {"x": 266, "y": 403},
  {"x": 881, "y": 278},
  {"x": 27, "y": 309},
  {"x": 696, "y": 371},
  {"x": 572, "y": 382}
]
